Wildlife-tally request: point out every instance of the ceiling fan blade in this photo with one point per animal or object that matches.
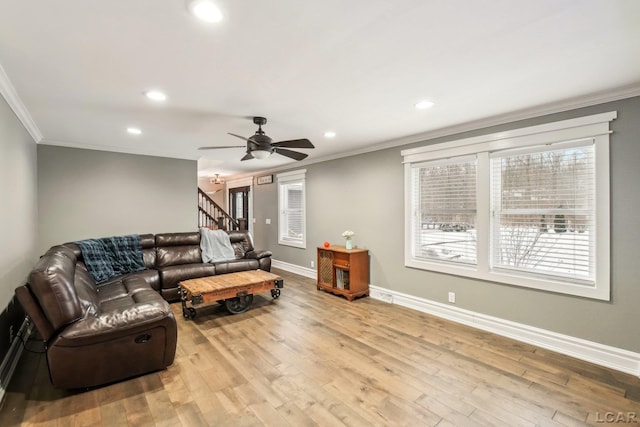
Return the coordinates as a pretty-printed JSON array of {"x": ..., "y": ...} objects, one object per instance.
[
  {"x": 248, "y": 156},
  {"x": 291, "y": 154},
  {"x": 238, "y": 136},
  {"x": 221, "y": 146},
  {"x": 294, "y": 143}
]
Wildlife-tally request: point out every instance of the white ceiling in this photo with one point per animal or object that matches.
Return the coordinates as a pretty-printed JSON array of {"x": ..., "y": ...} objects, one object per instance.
[{"x": 75, "y": 71}]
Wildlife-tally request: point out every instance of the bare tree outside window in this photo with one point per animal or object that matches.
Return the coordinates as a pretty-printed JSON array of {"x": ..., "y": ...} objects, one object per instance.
[{"x": 541, "y": 211}]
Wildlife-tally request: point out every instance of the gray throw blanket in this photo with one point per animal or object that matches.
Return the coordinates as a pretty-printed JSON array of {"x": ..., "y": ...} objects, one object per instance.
[{"x": 215, "y": 246}]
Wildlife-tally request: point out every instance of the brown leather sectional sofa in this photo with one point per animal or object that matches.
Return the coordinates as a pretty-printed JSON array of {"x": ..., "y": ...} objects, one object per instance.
[{"x": 124, "y": 327}]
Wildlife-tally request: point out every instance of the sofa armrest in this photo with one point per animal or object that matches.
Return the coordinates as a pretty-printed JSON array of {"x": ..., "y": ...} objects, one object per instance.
[
  {"x": 33, "y": 310},
  {"x": 119, "y": 321},
  {"x": 258, "y": 254}
]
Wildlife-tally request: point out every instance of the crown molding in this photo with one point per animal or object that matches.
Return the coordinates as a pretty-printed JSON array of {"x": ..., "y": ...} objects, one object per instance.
[
  {"x": 114, "y": 149},
  {"x": 9, "y": 93},
  {"x": 597, "y": 98},
  {"x": 602, "y": 97}
]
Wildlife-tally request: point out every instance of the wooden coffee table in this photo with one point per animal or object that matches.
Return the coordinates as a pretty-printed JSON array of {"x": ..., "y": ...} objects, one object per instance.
[{"x": 234, "y": 290}]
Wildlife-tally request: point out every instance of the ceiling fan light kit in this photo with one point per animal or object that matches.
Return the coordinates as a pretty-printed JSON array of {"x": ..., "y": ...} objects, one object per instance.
[
  {"x": 260, "y": 146},
  {"x": 260, "y": 154}
]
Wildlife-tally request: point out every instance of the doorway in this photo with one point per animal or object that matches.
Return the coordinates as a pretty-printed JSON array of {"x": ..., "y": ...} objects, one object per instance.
[{"x": 239, "y": 204}]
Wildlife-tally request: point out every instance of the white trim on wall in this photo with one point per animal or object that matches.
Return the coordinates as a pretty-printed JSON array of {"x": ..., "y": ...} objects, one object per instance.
[
  {"x": 9, "y": 92},
  {"x": 600, "y": 354},
  {"x": 292, "y": 268},
  {"x": 241, "y": 182}
]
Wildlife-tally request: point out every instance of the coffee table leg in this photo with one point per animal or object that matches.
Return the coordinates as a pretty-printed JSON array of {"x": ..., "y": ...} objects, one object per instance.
[
  {"x": 239, "y": 304},
  {"x": 187, "y": 312}
]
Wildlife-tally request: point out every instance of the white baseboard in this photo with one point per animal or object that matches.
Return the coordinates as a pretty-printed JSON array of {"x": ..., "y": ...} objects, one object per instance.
[
  {"x": 292, "y": 268},
  {"x": 10, "y": 361},
  {"x": 600, "y": 354},
  {"x": 604, "y": 355}
]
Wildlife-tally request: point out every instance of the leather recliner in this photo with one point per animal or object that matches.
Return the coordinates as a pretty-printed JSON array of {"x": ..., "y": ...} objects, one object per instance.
[{"x": 96, "y": 335}]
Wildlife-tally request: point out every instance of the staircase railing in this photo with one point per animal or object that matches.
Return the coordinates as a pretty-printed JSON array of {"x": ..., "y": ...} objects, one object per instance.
[{"x": 211, "y": 215}]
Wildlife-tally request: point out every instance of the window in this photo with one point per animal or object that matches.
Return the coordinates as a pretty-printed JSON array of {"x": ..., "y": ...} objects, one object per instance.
[
  {"x": 291, "y": 207},
  {"x": 528, "y": 207},
  {"x": 444, "y": 197},
  {"x": 542, "y": 211}
]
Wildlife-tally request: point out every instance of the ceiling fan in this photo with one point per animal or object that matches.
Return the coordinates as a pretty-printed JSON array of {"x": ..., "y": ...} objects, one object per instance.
[{"x": 260, "y": 146}]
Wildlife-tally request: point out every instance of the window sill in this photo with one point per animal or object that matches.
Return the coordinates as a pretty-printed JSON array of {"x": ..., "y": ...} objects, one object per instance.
[
  {"x": 293, "y": 243},
  {"x": 599, "y": 291}
]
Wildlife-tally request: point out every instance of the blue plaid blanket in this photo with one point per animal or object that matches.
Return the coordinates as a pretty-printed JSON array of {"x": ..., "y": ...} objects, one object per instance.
[{"x": 112, "y": 256}]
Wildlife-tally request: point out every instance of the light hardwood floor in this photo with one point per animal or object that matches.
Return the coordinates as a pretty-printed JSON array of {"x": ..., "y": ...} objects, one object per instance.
[{"x": 311, "y": 358}]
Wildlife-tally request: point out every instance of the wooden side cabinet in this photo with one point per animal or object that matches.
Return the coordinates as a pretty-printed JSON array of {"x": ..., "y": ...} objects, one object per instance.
[{"x": 343, "y": 271}]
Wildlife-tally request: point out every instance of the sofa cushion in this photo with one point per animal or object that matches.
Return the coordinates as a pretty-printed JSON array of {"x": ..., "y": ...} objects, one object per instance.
[
  {"x": 177, "y": 255},
  {"x": 170, "y": 276},
  {"x": 241, "y": 242},
  {"x": 233, "y": 266},
  {"x": 121, "y": 288},
  {"x": 151, "y": 277},
  {"x": 86, "y": 290},
  {"x": 147, "y": 241},
  {"x": 178, "y": 239}
]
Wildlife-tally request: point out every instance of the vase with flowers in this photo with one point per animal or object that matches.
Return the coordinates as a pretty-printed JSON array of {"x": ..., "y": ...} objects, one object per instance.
[{"x": 348, "y": 235}]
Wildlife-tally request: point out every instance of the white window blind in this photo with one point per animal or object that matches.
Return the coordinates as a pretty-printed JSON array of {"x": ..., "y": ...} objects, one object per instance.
[
  {"x": 542, "y": 210},
  {"x": 444, "y": 206},
  {"x": 291, "y": 204},
  {"x": 293, "y": 210}
]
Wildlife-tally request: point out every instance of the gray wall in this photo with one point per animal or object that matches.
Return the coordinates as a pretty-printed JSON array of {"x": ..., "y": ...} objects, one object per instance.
[
  {"x": 18, "y": 209},
  {"x": 364, "y": 193},
  {"x": 88, "y": 193}
]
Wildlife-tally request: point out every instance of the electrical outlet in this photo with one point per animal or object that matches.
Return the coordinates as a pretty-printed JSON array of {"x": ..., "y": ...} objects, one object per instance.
[
  {"x": 313, "y": 264},
  {"x": 267, "y": 221},
  {"x": 452, "y": 297}
]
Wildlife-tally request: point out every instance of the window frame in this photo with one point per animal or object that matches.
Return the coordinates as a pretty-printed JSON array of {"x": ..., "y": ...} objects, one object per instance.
[
  {"x": 418, "y": 212},
  {"x": 595, "y": 127},
  {"x": 284, "y": 180}
]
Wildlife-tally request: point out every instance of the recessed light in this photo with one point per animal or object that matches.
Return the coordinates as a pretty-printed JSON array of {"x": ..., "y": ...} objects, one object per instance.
[
  {"x": 329, "y": 134},
  {"x": 205, "y": 10},
  {"x": 134, "y": 131},
  {"x": 424, "y": 104},
  {"x": 155, "y": 95}
]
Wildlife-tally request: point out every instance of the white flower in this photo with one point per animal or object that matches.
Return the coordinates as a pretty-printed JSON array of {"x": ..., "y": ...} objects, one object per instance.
[{"x": 348, "y": 234}]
